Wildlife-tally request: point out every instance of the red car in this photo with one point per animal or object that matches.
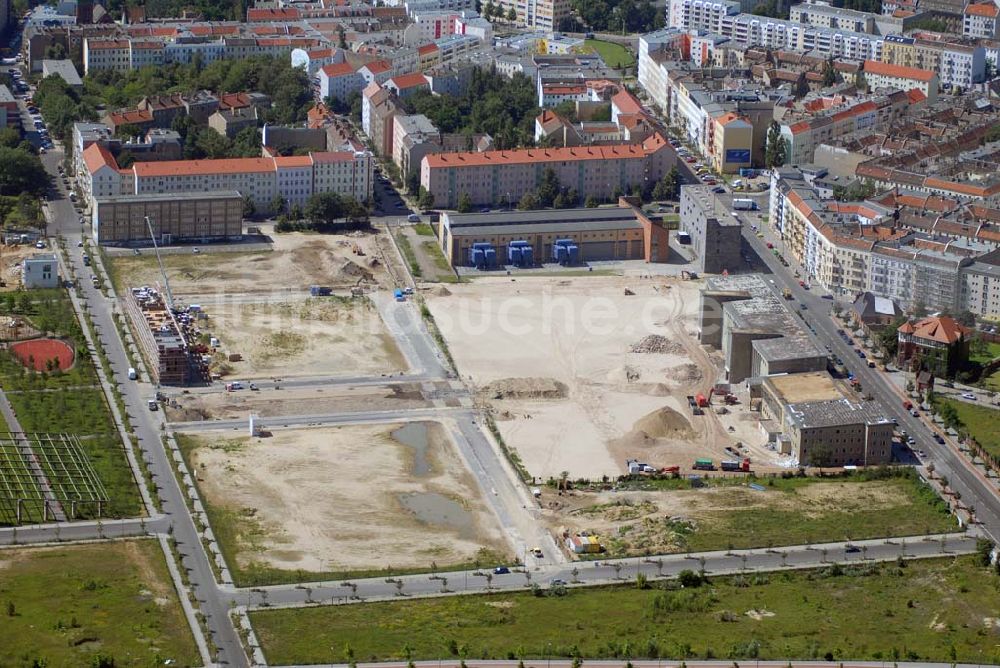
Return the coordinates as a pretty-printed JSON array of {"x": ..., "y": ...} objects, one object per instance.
[
  {"x": 689, "y": 159},
  {"x": 770, "y": 245}
]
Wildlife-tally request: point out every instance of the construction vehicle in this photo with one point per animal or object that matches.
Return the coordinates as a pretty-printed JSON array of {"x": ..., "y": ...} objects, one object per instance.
[
  {"x": 671, "y": 470},
  {"x": 733, "y": 465},
  {"x": 356, "y": 249},
  {"x": 693, "y": 403},
  {"x": 703, "y": 400}
]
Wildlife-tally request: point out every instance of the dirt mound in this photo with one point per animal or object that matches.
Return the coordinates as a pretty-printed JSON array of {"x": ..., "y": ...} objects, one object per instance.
[
  {"x": 663, "y": 423},
  {"x": 525, "y": 388},
  {"x": 441, "y": 291},
  {"x": 654, "y": 343},
  {"x": 353, "y": 270},
  {"x": 686, "y": 373}
]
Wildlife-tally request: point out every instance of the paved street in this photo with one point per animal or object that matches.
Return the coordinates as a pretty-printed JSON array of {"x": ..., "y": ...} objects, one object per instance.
[{"x": 608, "y": 571}]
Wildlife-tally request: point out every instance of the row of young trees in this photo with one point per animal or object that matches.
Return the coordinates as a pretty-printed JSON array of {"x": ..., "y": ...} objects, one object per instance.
[{"x": 323, "y": 211}]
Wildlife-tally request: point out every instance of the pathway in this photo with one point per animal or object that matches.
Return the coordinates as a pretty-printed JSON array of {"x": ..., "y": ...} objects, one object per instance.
[{"x": 51, "y": 502}]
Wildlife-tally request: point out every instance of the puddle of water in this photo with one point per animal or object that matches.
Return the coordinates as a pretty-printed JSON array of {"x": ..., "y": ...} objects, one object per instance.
[
  {"x": 433, "y": 508},
  {"x": 414, "y": 436}
]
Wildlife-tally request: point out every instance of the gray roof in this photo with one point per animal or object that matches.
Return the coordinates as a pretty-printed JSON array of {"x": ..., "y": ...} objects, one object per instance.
[
  {"x": 167, "y": 197},
  {"x": 567, "y": 228},
  {"x": 575, "y": 216},
  {"x": 5, "y": 95},
  {"x": 64, "y": 68},
  {"x": 835, "y": 412}
]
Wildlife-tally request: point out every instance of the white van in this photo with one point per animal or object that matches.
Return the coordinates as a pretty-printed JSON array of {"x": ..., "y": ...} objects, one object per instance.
[{"x": 132, "y": 375}]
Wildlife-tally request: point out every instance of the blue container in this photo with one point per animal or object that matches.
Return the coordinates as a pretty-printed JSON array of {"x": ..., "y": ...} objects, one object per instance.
[
  {"x": 482, "y": 245},
  {"x": 514, "y": 255},
  {"x": 527, "y": 256},
  {"x": 490, "y": 258},
  {"x": 559, "y": 253},
  {"x": 475, "y": 257},
  {"x": 572, "y": 254}
]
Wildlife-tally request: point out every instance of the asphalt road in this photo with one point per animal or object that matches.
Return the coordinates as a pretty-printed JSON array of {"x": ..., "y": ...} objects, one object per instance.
[
  {"x": 975, "y": 489},
  {"x": 146, "y": 426},
  {"x": 607, "y": 571}
]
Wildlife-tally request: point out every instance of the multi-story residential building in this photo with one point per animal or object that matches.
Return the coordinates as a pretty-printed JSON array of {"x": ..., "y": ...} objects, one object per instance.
[
  {"x": 775, "y": 34},
  {"x": 9, "y": 109},
  {"x": 379, "y": 107},
  {"x": 311, "y": 60},
  {"x": 956, "y": 63},
  {"x": 377, "y": 71},
  {"x": 981, "y": 287},
  {"x": 407, "y": 84},
  {"x": 413, "y": 137},
  {"x": 106, "y": 54},
  {"x": 538, "y": 14},
  {"x": 882, "y": 75},
  {"x": 293, "y": 178},
  {"x": 495, "y": 176},
  {"x": 732, "y": 143},
  {"x": 655, "y": 49},
  {"x": 981, "y": 20},
  {"x": 339, "y": 81},
  {"x": 827, "y": 16},
  {"x": 416, "y": 6},
  {"x": 936, "y": 344},
  {"x": 700, "y": 14}
]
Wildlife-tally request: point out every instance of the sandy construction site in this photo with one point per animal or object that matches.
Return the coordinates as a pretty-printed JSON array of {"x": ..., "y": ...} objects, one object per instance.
[
  {"x": 296, "y": 261},
  {"x": 581, "y": 375},
  {"x": 349, "y": 498},
  {"x": 327, "y": 337}
]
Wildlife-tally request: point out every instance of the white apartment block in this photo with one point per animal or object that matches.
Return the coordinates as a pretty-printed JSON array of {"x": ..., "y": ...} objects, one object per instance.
[
  {"x": 882, "y": 75},
  {"x": 539, "y": 14},
  {"x": 415, "y": 6},
  {"x": 981, "y": 290},
  {"x": 837, "y": 18},
  {"x": 339, "y": 81},
  {"x": 652, "y": 75},
  {"x": 700, "y": 14},
  {"x": 981, "y": 20}
]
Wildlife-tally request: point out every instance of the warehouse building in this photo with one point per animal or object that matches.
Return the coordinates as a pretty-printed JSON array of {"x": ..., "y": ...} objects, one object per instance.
[
  {"x": 821, "y": 422},
  {"x": 202, "y": 217},
  {"x": 758, "y": 335},
  {"x": 600, "y": 234}
]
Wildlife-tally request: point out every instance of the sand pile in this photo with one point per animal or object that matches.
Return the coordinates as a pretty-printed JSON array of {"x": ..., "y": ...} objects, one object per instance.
[
  {"x": 441, "y": 291},
  {"x": 686, "y": 373},
  {"x": 354, "y": 270},
  {"x": 663, "y": 423},
  {"x": 525, "y": 388},
  {"x": 654, "y": 343}
]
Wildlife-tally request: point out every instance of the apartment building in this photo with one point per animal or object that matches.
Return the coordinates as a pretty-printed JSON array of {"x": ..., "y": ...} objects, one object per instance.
[
  {"x": 311, "y": 60},
  {"x": 339, "y": 81},
  {"x": 404, "y": 85},
  {"x": 955, "y": 63},
  {"x": 779, "y": 34},
  {"x": 496, "y": 176},
  {"x": 538, "y": 14},
  {"x": 981, "y": 287},
  {"x": 11, "y": 114},
  {"x": 379, "y": 106},
  {"x": 981, "y": 20},
  {"x": 700, "y": 14},
  {"x": 377, "y": 71},
  {"x": 882, "y": 75},
  {"x": 413, "y": 137},
  {"x": 837, "y": 18},
  {"x": 196, "y": 217}
]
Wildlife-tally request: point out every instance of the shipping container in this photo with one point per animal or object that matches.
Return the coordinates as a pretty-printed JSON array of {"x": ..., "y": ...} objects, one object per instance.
[{"x": 703, "y": 465}]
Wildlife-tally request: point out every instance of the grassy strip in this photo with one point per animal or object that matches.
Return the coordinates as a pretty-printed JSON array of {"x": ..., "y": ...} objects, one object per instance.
[
  {"x": 424, "y": 229},
  {"x": 408, "y": 254},
  {"x": 73, "y": 604},
  {"x": 238, "y": 534},
  {"x": 433, "y": 251},
  {"x": 511, "y": 455},
  {"x": 432, "y": 327},
  {"x": 982, "y": 423},
  {"x": 927, "y": 610}
]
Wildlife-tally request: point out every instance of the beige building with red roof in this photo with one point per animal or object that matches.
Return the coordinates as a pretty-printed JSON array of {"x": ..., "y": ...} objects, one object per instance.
[
  {"x": 936, "y": 344},
  {"x": 883, "y": 75},
  {"x": 500, "y": 176},
  {"x": 981, "y": 20}
]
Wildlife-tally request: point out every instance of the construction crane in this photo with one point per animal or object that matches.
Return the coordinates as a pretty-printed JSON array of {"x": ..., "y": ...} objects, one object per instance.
[{"x": 159, "y": 260}]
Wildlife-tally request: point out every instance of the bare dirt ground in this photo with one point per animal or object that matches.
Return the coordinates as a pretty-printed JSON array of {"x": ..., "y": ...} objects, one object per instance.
[
  {"x": 581, "y": 332},
  {"x": 655, "y": 521},
  {"x": 338, "y": 498},
  {"x": 314, "y": 337},
  {"x": 296, "y": 401},
  {"x": 297, "y": 261},
  {"x": 10, "y": 264}
]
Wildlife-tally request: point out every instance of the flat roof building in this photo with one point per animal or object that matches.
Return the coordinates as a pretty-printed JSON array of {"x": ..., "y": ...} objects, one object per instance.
[
  {"x": 197, "y": 216},
  {"x": 64, "y": 69},
  {"x": 715, "y": 233}
]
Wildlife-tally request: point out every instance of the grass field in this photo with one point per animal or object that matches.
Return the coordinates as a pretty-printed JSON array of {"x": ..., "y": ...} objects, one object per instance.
[
  {"x": 795, "y": 511},
  {"x": 940, "y": 610},
  {"x": 991, "y": 352},
  {"x": 614, "y": 55},
  {"x": 424, "y": 229},
  {"x": 983, "y": 423},
  {"x": 72, "y": 604}
]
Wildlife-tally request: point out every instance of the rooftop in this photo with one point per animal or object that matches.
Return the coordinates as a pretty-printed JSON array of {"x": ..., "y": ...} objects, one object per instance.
[
  {"x": 803, "y": 387},
  {"x": 898, "y": 71},
  {"x": 835, "y": 412}
]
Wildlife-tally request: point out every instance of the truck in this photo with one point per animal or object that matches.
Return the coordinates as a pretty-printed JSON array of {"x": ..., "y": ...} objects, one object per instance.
[
  {"x": 320, "y": 291},
  {"x": 152, "y": 405},
  {"x": 398, "y": 295},
  {"x": 786, "y": 293},
  {"x": 733, "y": 465},
  {"x": 703, "y": 465},
  {"x": 744, "y": 204},
  {"x": 86, "y": 260}
]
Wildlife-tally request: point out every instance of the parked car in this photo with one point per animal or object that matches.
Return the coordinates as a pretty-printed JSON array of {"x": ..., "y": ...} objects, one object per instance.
[
  {"x": 501, "y": 570},
  {"x": 851, "y": 549},
  {"x": 970, "y": 396},
  {"x": 558, "y": 582}
]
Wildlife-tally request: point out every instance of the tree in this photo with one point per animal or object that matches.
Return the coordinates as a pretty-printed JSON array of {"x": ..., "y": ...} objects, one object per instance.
[
  {"x": 591, "y": 202},
  {"x": 775, "y": 153},
  {"x": 341, "y": 38},
  {"x": 669, "y": 186},
  {"x": 829, "y": 73},
  {"x": 249, "y": 208},
  {"x": 464, "y": 203},
  {"x": 426, "y": 199},
  {"x": 529, "y": 201},
  {"x": 512, "y": 15},
  {"x": 860, "y": 82},
  {"x": 22, "y": 172},
  {"x": 801, "y": 87},
  {"x": 549, "y": 188},
  {"x": 278, "y": 204}
]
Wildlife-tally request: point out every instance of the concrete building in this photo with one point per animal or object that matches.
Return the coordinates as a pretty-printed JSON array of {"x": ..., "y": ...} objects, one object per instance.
[
  {"x": 538, "y": 14},
  {"x": 379, "y": 107},
  {"x": 623, "y": 233},
  {"x": 939, "y": 345},
  {"x": 872, "y": 313},
  {"x": 981, "y": 287},
  {"x": 311, "y": 60},
  {"x": 827, "y": 16},
  {"x": 757, "y": 334},
  {"x": 40, "y": 271},
  {"x": 882, "y": 75},
  {"x": 956, "y": 62},
  {"x": 822, "y": 423},
  {"x": 407, "y": 84},
  {"x": 203, "y": 217},
  {"x": 981, "y": 20},
  {"x": 63, "y": 69},
  {"x": 10, "y": 115},
  {"x": 498, "y": 176},
  {"x": 230, "y": 122},
  {"x": 715, "y": 233},
  {"x": 413, "y": 137}
]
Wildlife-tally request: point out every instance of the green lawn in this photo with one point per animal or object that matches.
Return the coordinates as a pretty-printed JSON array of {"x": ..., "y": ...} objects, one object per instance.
[
  {"x": 424, "y": 229},
  {"x": 614, "y": 55},
  {"x": 72, "y": 604},
  {"x": 991, "y": 352},
  {"x": 939, "y": 610},
  {"x": 901, "y": 505},
  {"x": 982, "y": 422}
]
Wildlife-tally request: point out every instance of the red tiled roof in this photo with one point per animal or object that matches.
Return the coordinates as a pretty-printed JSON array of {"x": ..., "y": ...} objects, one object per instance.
[
  {"x": 96, "y": 156},
  {"x": 522, "y": 156},
  {"x": 378, "y": 66},
  {"x": 987, "y": 9},
  {"x": 288, "y": 14},
  {"x": 337, "y": 70},
  {"x": 293, "y": 161},
  {"x": 203, "y": 167},
  {"x": 941, "y": 329},
  {"x": 409, "y": 80},
  {"x": 899, "y": 71},
  {"x": 626, "y": 103},
  {"x": 131, "y": 116},
  {"x": 427, "y": 48}
]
